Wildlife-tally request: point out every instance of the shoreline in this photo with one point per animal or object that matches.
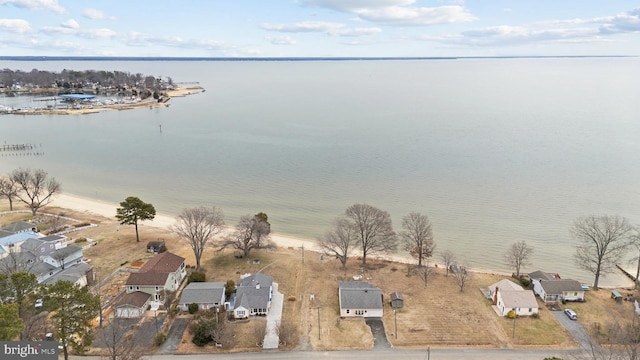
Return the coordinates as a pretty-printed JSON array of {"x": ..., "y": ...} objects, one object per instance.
[
  {"x": 149, "y": 102},
  {"x": 164, "y": 221}
]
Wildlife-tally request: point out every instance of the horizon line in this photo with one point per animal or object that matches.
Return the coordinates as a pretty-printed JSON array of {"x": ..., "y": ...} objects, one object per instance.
[{"x": 294, "y": 58}]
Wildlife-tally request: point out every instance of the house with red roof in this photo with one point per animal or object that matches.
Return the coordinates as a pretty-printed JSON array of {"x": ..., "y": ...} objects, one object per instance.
[{"x": 159, "y": 275}]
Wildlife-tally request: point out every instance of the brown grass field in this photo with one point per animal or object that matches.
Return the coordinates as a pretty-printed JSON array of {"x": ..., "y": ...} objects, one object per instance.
[{"x": 438, "y": 315}]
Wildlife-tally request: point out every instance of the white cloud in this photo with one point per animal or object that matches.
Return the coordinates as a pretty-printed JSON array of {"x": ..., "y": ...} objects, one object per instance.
[
  {"x": 281, "y": 40},
  {"x": 17, "y": 26},
  {"x": 355, "y": 32},
  {"x": 351, "y": 5},
  {"x": 70, "y": 24},
  {"x": 304, "y": 26},
  {"x": 93, "y": 14},
  {"x": 51, "y": 5},
  {"x": 417, "y": 16},
  {"x": 98, "y": 34},
  {"x": 145, "y": 40},
  {"x": 328, "y": 28},
  {"x": 398, "y": 12}
]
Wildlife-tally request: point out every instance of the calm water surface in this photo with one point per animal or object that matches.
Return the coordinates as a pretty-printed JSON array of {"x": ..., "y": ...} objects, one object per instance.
[{"x": 493, "y": 151}]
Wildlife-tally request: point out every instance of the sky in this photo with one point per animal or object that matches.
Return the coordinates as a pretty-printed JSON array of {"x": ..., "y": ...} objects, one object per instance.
[{"x": 319, "y": 28}]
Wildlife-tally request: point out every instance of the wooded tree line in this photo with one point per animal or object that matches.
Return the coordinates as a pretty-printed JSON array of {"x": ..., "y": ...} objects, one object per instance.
[{"x": 72, "y": 79}]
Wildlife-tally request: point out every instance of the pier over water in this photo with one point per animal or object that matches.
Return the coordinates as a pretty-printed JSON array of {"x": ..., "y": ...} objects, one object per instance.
[{"x": 21, "y": 150}]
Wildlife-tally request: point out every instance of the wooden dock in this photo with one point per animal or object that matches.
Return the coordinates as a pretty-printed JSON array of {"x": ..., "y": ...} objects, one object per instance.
[
  {"x": 20, "y": 150},
  {"x": 633, "y": 278}
]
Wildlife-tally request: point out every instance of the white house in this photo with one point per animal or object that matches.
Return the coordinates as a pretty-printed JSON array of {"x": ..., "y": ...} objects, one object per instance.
[
  {"x": 359, "y": 299},
  {"x": 550, "y": 287},
  {"x": 254, "y": 294},
  {"x": 208, "y": 295},
  {"x": 132, "y": 305},
  {"x": 508, "y": 296}
]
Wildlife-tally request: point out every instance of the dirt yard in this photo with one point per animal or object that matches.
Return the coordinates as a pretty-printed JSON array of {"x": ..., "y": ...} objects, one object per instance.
[{"x": 438, "y": 315}]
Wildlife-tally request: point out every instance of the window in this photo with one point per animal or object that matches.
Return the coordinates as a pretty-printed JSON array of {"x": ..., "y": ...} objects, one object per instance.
[
  {"x": 360, "y": 312},
  {"x": 137, "y": 287},
  {"x": 530, "y": 309},
  {"x": 348, "y": 311}
]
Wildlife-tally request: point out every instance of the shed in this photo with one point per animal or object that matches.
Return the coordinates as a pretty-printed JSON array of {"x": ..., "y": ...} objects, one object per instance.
[
  {"x": 616, "y": 296},
  {"x": 156, "y": 247},
  {"x": 397, "y": 301}
]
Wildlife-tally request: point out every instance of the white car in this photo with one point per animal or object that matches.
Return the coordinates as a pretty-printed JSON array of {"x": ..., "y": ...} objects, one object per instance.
[
  {"x": 571, "y": 314},
  {"x": 38, "y": 303}
]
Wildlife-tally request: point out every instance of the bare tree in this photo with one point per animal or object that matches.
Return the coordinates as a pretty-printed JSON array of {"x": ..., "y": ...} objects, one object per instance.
[
  {"x": 252, "y": 232},
  {"x": 425, "y": 273},
  {"x": 287, "y": 332},
  {"x": 418, "y": 236},
  {"x": 119, "y": 341},
  {"x": 339, "y": 241},
  {"x": 197, "y": 226},
  {"x": 448, "y": 258},
  {"x": 635, "y": 241},
  {"x": 518, "y": 255},
  {"x": 603, "y": 242},
  {"x": 373, "y": 228},
  {"x": 35, "y": 187},
  {"x": 461, "y": 276},
  {"x": 9, "y": 189}
]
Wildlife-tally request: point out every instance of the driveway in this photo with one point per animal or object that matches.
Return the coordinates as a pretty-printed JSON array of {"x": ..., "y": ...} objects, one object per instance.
[
  {"x": 379, "y": 337},
  {"x": 575, "y": 329},
  {"x": 274, "y": 316},
  {"x": 174, "y": 337}
]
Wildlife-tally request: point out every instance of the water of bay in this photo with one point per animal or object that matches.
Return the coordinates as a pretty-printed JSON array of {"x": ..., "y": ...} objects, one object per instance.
[{"x": 492, "y": 150}]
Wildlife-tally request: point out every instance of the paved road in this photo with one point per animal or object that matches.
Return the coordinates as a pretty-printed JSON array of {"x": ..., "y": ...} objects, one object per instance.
[{"x": 435, "y": 354}]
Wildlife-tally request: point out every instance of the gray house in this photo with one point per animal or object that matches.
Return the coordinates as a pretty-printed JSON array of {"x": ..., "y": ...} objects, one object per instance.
[
  {"x": 397, "y": 300},
  {"x": 253, "y": 296},
  {"x": 550, "y": 287},
  {"x": 208, "y": 295},
  {"x": 359, "y": 299}
]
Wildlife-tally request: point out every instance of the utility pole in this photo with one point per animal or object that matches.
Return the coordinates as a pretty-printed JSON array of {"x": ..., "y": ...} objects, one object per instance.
[
  {"x": 303, "y": 253},
  {"x": 100, "y": 298},
  {"x": 318, "y": 323}
]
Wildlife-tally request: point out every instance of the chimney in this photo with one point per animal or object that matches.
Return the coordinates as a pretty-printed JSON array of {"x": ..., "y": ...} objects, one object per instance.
[{"x": 495, "y": 297}]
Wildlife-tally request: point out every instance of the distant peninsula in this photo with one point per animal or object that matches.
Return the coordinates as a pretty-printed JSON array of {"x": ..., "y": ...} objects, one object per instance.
[{"x": 89, "y": 91}]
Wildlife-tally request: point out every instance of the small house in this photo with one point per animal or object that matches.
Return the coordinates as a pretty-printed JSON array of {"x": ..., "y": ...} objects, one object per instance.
[
  {"x": 397, "y": 301},
  {"x": 156, "y": 247},
  {"x": 132, "y": 305},
  {"x": 254, "y": 294},
  {"x": 508, "y": 296},
  {"x": 207, "y": 295},
  {"x": 550, "y": 287},
  {"x": 359, "y": 299}
]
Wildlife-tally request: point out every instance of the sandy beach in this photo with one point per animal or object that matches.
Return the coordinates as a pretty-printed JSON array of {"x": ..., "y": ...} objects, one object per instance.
[{"x": 164, "y": 221}]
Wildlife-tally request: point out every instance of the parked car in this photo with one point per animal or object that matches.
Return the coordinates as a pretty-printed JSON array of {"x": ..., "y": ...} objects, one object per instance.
[
  {"x": 38, "y": 303},
  {"x": 571, "y": 314}
]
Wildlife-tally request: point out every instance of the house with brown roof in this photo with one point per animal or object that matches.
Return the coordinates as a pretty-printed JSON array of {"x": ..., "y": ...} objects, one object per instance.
[{"x": 160, "y": 274}]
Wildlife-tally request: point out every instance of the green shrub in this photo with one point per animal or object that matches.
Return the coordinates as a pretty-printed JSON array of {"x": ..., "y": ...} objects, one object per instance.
[
  {"x": 525, "y": 282},
  {"x": 197, "y": 277},
  {"x": 511, "y": 314},
  {"x": 202, "y": 333},
  {"x": 160, "y": 338},
  {"x": 229, "y": 287},
  {"x": 193, "y": 308}
]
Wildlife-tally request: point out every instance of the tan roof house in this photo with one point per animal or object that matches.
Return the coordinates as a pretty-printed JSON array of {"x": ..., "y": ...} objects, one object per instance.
[{"x": 160, "y": 274}]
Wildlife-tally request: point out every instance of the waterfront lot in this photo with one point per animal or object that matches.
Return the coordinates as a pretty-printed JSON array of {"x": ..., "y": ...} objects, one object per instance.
[{"x": 438, "y": 315}]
